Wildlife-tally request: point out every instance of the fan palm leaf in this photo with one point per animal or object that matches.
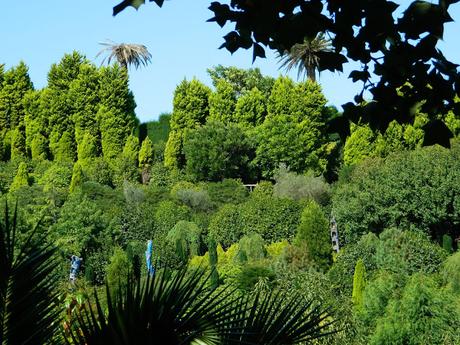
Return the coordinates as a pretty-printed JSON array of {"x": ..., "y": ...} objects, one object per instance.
[
  {"x": 179, "y": 308},
  {"x": 27, "y": 311},
  {"x": 305, "y": 56},
  {"x": 126, "y": 54}
]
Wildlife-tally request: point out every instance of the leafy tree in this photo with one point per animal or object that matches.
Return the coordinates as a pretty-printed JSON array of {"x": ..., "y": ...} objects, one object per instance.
[
  {"x": 359, "y": 283},
  {"x": 314, "y": 231},
  {"x": 360, "y": 145},
  {"x": 251, "y": 108},
  {"x": 251, "y": 248},
  {"x": 305, "y": 56},
  {"x": 409, "y": 190},
  {"x": 168, "y": 214},
  {"x": 406, "y": 38},
  {"x": 146, "y": 159},
  {"x": 300, "y": 187},
  {"x": 126, "y": 54},
  {"x": 184, "y": 237},
  {"x": 87, "y": 147},
  {"x": 422, "y": 315},
  {"x": 242, "y": 80},
  {"x": 64, "y": 149},
  {"x": 22, "y": 177},
  {"x": 113, "y": 135},
  {"x": 292, "y": 131},
  {"x": 222, "y": 102},
  {"x": 118, "y": 269},
  {"x": 18, "y": 143},
  {"x": 451, "y": 273},
  {"x": 16, "y": 83},
  {"x": 217, "y": 151},
  {"x": 84, "y": 96},
  {"x": 77, "y": 177},
  {"x": 190, "y": 109},
  {"x": 39, "y": 147}
]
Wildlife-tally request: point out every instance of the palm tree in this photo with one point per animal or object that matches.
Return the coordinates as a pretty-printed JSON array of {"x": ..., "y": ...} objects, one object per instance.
[
  {"x": 126, "y": 54},
  {"x": 28, "y": 313},
  {"x": 179, "y": 308},
  {"x": 305, "y": 56}
]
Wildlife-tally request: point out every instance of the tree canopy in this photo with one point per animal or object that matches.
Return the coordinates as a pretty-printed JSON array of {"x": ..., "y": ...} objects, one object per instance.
[{"x": 402, "y": 69}]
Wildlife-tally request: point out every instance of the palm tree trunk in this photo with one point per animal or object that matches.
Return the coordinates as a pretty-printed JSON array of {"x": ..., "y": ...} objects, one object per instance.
[{"x": 311, "y": 73}]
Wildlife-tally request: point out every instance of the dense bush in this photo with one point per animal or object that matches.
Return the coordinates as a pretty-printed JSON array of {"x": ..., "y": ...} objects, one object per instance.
[{"x": 416, "y": 190}]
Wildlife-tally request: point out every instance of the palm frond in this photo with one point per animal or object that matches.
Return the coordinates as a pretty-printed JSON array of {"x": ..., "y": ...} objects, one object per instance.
[
  {"x": 28, "y": 314},
  {"x": 126, "y": 54},
  {"x": 179, "y": 308},
  {"x": 304, "y": 56}
]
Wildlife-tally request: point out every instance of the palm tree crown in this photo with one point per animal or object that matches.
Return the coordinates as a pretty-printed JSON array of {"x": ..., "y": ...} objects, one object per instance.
[
  {"x": 126, "y": 54},
  {"x": 304, "y": 56}
]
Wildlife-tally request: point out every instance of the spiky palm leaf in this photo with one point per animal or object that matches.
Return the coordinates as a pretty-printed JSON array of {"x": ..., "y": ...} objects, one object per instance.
[
  {"x": 27, "y": 310},
  {"x": 305, "y": 56},
  {"x": 179, "y": 308},
  {"x": 126, "y": 54}
]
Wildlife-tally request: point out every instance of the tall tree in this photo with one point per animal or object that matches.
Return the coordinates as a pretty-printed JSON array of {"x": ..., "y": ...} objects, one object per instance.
[
  {"x": 16, "y": 83},
  {"x": 190, "y": 110},
  {"x": 305, "y": 56},
  {"x": 222, "y": 102},
  {"x": 126, "y": 54}
]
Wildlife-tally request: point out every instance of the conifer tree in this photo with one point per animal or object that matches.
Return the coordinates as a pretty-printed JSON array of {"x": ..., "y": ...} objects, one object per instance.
[
  {"x": 77, "y": 177},
  {"x": 18, "y": 143},
  {"x": 222, "y": 102},
  {"x": 214, "y": 279},
  {"x": 359, "y": 145},
  {"x": 63, "y": 148},
  {"x": 146, "y": 159},
  {"x": 16, "y": 83},
  {"x": 21, "y": 179},
  {"x": 39, "y": 147},
  {"x": 313, "y": 230},
  {"x": 87, "y": 148},
  {"x": 131, "y": 149},
  {"x": 251, "y": 108},
  {"x": 113, "y": 133},
  {"x": 190, "y": 109},
  {"x": 83, "y": 95},
  {"x": 359, "y": 283}
]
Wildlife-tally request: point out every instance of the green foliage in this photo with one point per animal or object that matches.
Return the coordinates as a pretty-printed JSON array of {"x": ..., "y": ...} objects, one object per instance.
[
  {"x": 222, "y": 102},
  {"x": 213, "y": 260},
  {"x": 195, "y": 198},
  {"x": 184, "y": 237},
  {"x": 451, "y": 272},
  {"x": 118, "y": 269},
  {"x": 314, "y": 231},
  {"x": 423, "y": 315},
  {"x": 251, "y": 108},
  {"x": 77, "y": 177},
  {"x": 21, "y": 179},
  {"x": 300, "y": 187},
  {"x": 29, "y": 314},
  {"x": 272, "y": 218},
  {"x": 228, "y": 191},
  {"x": 217, "y": 151},
  {"x": 410, "y": 190},
  {"x": 293, "y": 131},
  {"x": 190, "y": 109},
  {"x": 252, "y": 274},
  {"x": 15, "y": 84},
  {"x": 18, "y": 144},
  {"x": 146, "y": 154},
  {"x": 65, "y": 148},
  {"x": 241, "y": 80},
  {"x": 447, "y": 243},
  {"x": 39, "y": 148},
  {"x": 87, "y": 147},
  {"x": 359, "y": 145},
  {"x": 359, "y": 284},
  {"x": 157, "y": 131},
  {"x": 251, "y": 248},
  {"x": 168, "y": 214}
]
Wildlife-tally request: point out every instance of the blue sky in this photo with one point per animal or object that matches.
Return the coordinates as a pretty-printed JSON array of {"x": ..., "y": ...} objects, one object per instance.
[{"x": 182, "y": 43}]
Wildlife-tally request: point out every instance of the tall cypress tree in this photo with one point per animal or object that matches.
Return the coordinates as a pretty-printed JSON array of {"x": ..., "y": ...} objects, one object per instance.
[
  {"x": 87, "y": 148},
  {"x": 146, "y": 159},
  {"x": 16, "y": 83},
  {"x": 190, "y": 109},
  {"x": 21, "y": 179},
  {"x": 83, "y": 95},
  {"x": 359, "y": 283},
  {"x": 18, "y": 143},
  {"x": 77, "y": 177},
  {"x": 222, "y": 102}
]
